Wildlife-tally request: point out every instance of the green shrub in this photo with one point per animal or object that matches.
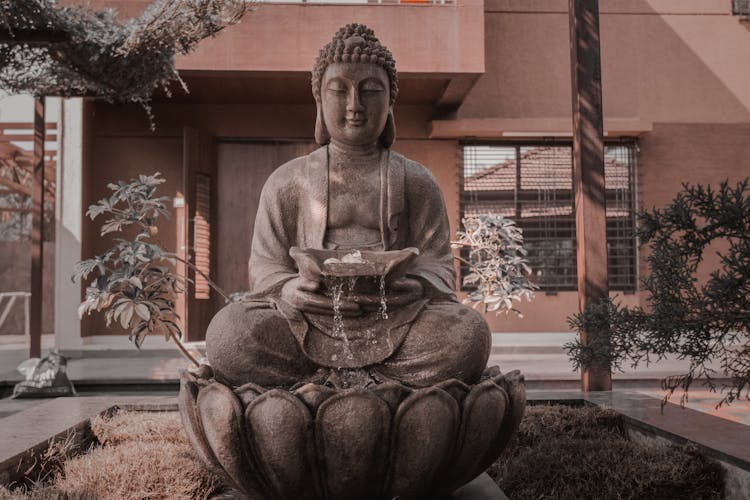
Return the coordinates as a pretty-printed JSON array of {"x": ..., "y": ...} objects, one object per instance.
[{"x": 705, "y": 322}]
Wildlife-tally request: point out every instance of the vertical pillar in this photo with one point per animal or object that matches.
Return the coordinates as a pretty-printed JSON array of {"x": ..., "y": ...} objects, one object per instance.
[
  {"x": 588, "y": 174},
  {"x": 37, "y": 231},
  {"x": 68, "y": 229}
]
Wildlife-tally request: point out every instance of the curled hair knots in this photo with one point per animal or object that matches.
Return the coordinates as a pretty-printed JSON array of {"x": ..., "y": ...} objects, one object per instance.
[{"x": 355, "y": 43}]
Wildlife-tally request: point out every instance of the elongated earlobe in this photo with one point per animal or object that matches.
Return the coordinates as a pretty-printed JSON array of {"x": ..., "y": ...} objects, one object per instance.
[
  {"x": 321, "y": 132},
  {"x": 389, "y": 132}
]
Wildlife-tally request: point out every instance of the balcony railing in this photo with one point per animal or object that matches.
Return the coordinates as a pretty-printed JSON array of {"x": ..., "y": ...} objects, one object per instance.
[{"x": 367, "y": 2}]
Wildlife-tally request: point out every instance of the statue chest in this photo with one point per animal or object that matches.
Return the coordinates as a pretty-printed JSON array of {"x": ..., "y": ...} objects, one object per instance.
[{"x": 354, "y": 201}]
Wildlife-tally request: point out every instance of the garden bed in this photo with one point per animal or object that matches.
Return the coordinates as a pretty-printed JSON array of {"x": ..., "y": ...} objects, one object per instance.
[
  {"x": 561, "y": 452},
  {"x": 574, "y": 452}
]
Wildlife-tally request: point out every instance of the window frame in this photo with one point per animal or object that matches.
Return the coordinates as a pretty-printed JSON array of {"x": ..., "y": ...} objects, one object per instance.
[{"x": 626, "y": 281}]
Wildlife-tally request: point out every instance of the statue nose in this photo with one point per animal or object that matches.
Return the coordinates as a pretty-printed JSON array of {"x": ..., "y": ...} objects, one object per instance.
[{"x": 353, "y": 104}]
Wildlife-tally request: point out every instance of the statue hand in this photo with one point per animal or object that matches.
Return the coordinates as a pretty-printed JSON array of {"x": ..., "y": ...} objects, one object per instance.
[
  {"x": 301, "y": 293},
  {"x": 403, "y": 291}
]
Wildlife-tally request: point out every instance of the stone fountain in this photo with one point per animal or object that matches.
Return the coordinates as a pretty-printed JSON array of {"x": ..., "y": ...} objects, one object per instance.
[{"x": 351, "y": 371}]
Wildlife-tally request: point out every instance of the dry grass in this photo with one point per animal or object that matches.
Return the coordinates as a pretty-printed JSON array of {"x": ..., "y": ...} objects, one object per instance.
[
  {"x": 143, "y": 455},
  {"x": 574, "y": 453},
  {"x": 146, "y": 427},
  {"x": 136, "y": 470}
]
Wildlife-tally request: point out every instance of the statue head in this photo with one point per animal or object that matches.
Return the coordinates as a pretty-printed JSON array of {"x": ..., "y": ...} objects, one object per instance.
[{"x": 355, "y": 84}]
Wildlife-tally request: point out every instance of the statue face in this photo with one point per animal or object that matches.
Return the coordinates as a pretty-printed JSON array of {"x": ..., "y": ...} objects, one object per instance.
[{"x": 355, "y": 99}]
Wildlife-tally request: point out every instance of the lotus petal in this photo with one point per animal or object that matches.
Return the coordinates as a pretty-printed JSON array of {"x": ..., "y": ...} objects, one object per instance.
[
  {"x": 203, "y": 372},
  {"x": 282, "y": 440},
  {"x": 515, "y": 387},
  {"x": 248, "y": 392},
  {"x": 424, "y": 437},
  {"x": 222, "y": 422},
  {"x": 313, "y": 395},
  {"x": 483, "y": 418},
  {"x": 455, "y": 388},
  {"x": 392, "y": 393},
  {"x": 186, "y": 402},
  {"x": 492, "y": 372},
  {"x": 353, "y": 438}
]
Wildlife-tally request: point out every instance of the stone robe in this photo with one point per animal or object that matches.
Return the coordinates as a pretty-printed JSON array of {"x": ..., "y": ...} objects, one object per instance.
[
  {"x": 293, "y": 211},
  {"x": 428, "y": 340}
]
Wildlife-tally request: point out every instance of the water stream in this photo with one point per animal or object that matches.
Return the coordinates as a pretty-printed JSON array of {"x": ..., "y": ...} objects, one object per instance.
[
  {"x": 341, "y": 288},
  {"x": 383, "y": 311}
]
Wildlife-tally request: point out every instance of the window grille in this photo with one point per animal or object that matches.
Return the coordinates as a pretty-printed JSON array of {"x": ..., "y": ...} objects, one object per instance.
[
  {"x": 741, "y": 7},
  {"x": 533, "y": 185}
]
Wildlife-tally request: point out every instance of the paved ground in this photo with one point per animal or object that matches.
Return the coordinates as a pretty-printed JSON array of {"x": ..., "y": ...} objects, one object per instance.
[{"x": 156, "y": 372}]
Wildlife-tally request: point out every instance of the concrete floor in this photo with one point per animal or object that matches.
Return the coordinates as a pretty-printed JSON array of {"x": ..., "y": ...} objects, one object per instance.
[{"x": 101, "y": 371}]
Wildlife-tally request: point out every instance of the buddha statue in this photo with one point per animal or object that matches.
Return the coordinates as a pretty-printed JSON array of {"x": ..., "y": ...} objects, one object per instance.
[{"x": 353, "y": 193}]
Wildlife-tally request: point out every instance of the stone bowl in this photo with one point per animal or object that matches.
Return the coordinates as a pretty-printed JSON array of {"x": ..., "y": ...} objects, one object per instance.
[
  {"x": 378, "y": 443},
  {"x": 312, "y": 262}
]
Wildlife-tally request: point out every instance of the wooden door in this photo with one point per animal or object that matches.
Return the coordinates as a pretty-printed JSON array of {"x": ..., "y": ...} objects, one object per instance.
[{"x": 243, "y": 168}]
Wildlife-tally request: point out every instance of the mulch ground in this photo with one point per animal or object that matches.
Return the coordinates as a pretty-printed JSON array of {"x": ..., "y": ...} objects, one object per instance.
[{"x": 564, "y": 452}]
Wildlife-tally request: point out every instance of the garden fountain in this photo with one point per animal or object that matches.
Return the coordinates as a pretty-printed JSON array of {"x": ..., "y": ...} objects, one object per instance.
[{"x": 350, "y": 371}]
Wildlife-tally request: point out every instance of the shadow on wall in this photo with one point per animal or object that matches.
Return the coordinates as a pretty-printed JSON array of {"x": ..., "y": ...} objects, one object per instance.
[{"x": 656, "y": 66}]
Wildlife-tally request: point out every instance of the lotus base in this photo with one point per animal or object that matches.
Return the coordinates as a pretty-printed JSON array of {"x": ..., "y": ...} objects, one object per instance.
[{"x": 322, "y": 443}]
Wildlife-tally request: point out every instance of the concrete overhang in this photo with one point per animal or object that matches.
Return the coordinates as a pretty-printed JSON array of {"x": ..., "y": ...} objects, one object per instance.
[{"x": 437, "y": 47}]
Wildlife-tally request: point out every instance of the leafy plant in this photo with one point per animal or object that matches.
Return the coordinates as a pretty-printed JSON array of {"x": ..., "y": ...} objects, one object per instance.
[
  {"x": 133, "y": 280},
  {"x": 51, "y": 49},
  {"x": 705, "y": 322},
  {"x": 497, "y": 263}
]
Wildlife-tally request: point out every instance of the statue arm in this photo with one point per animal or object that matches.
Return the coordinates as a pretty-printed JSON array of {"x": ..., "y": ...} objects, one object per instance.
[
  {"x": 270, "y": 265},
  {"x": 429, "y": 231}
]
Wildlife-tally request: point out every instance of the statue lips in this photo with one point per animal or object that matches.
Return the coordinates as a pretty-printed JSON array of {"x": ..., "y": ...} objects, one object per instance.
[{"x": 356, "y": 121}]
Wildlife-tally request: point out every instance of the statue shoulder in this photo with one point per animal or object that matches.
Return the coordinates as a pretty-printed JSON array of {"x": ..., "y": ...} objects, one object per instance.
[
  {"x": 416, "y": 174},
  {"x": 294, "y": 172}
]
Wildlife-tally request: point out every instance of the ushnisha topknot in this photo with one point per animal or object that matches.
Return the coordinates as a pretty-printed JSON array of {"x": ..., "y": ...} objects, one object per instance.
[{"x": 355, "y": 43}]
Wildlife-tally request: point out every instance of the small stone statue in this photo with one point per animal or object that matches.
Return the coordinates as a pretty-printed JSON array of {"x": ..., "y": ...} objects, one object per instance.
[
  {"x": 351, "y": 372},
  {"x": 354, "y": 193}
]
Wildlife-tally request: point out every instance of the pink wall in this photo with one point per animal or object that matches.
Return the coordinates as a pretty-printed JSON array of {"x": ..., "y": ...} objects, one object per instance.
[
  {"x": 672, "y": 69},
  {"x": 672, "y": 65},
  {"x": 659, "y": 62},
  {"x": 286, "y": 37}
]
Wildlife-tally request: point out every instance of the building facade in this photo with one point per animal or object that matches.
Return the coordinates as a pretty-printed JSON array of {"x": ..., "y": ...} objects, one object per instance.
[{"x": 485, "y": 104}]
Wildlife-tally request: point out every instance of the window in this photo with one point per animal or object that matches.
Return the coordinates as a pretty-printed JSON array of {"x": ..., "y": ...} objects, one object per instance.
[
  {"x": 16, "y": 180},
  {"x": 532, "y": 183},
  {"x": 741, "y": 7}
]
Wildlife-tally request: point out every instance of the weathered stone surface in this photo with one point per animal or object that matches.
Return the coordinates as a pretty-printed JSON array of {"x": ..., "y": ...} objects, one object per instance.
[
  {"x": 282, "y": 437},
  {"x": 352, "y": 197},
  {"x": 376, "y": 369},
  {"x": 354, "y": 444}
]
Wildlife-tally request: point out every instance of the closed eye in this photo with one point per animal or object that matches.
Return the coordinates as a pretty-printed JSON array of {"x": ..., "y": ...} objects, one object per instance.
[
  {"x": 372, "y": 86},
  {"x": 336, "y": 86}
]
